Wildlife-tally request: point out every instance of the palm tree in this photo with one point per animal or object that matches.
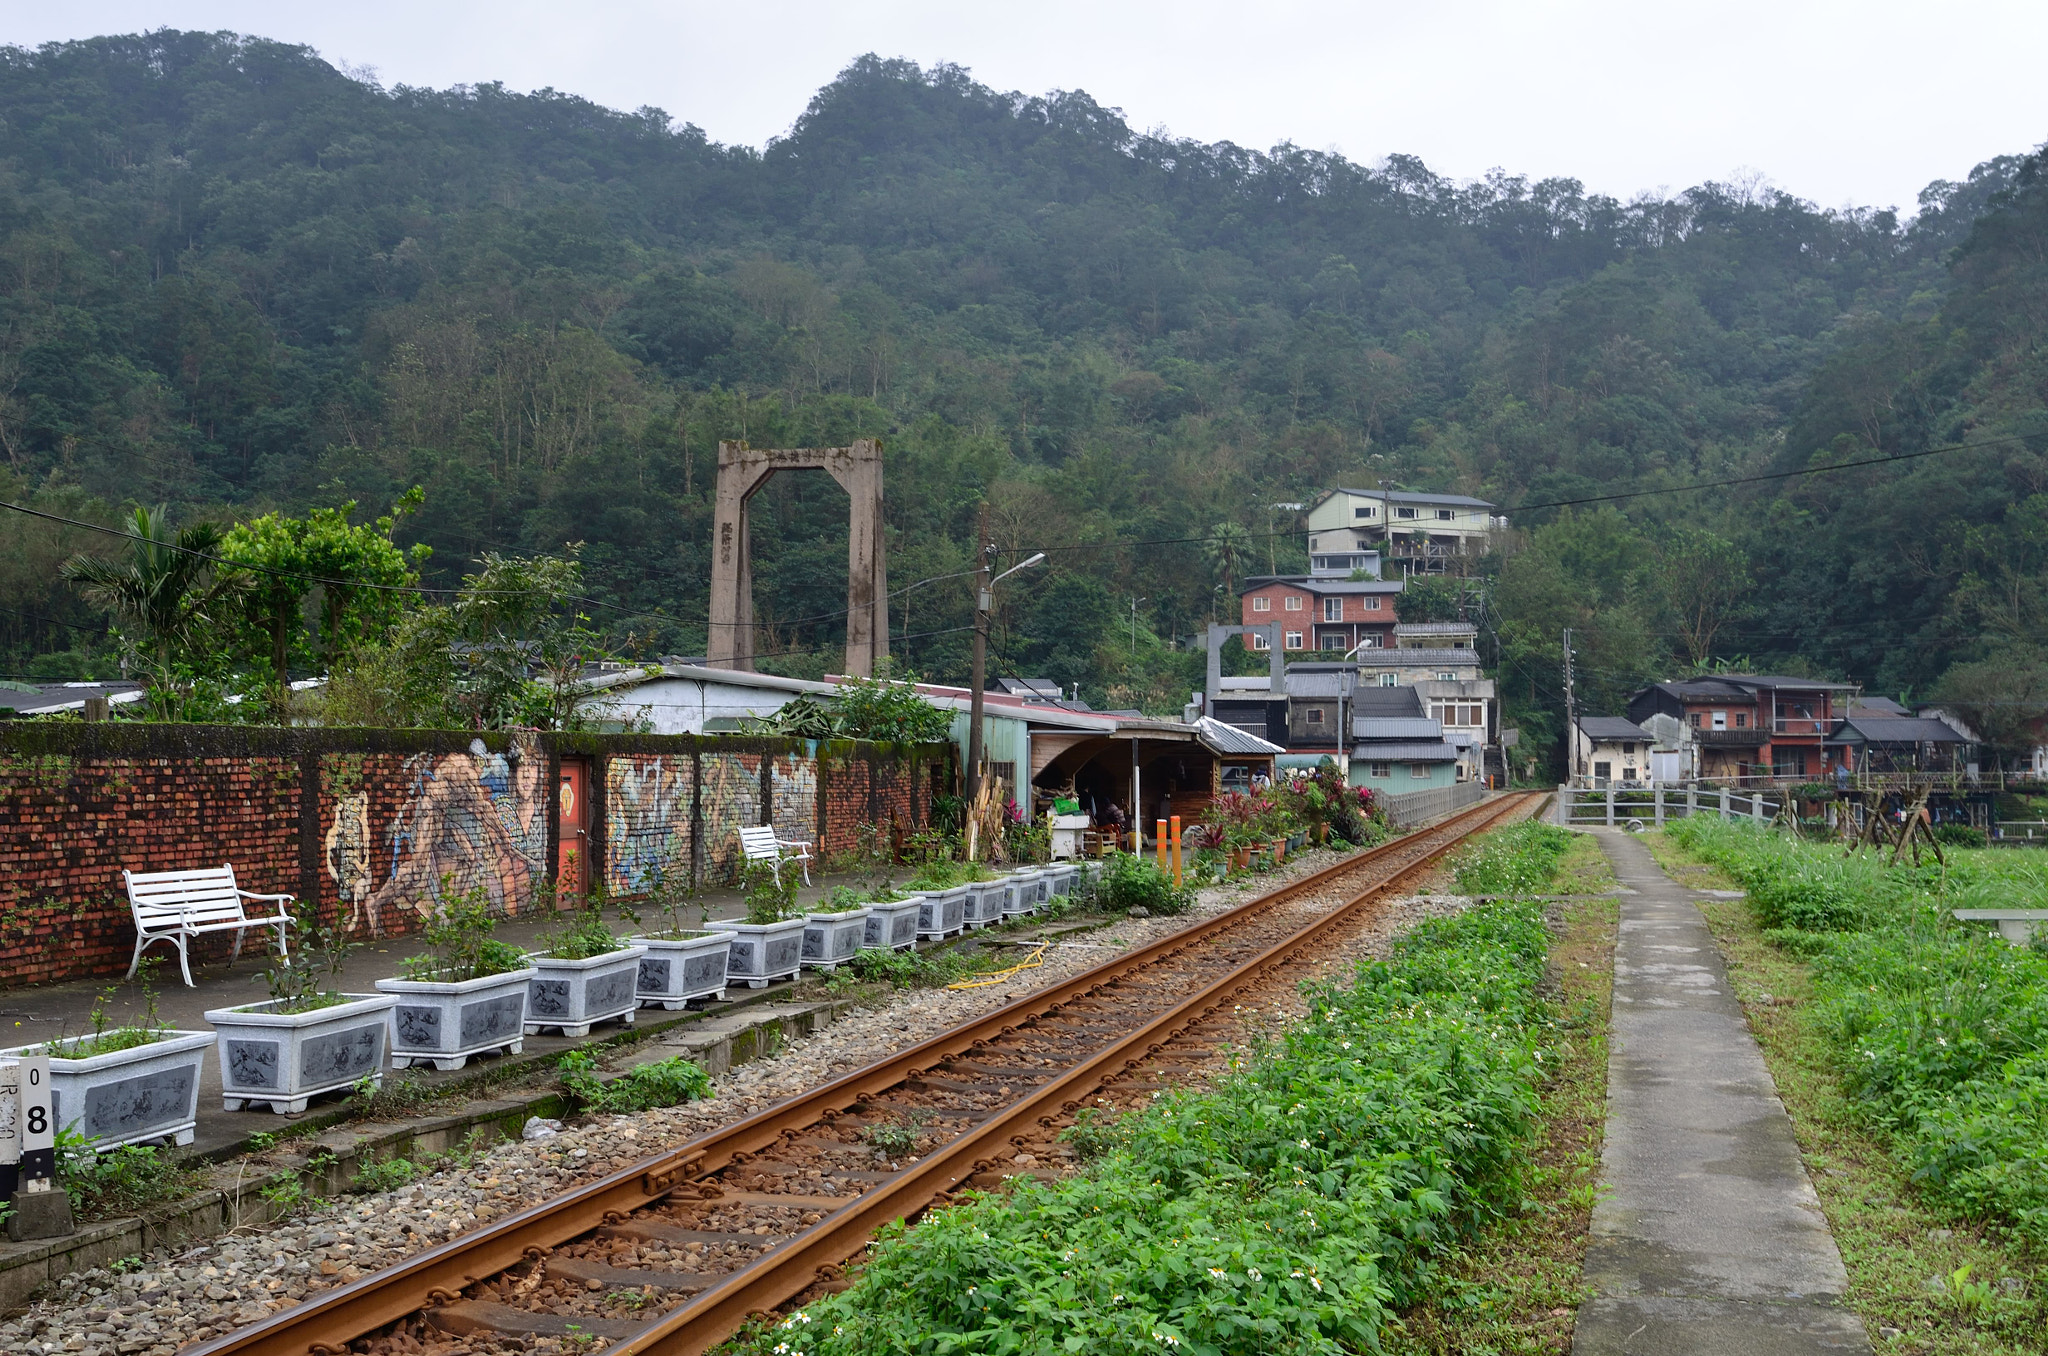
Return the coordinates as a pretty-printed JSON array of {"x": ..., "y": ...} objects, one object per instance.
[
  {"x": 166, "y": 588},
  {"x": 1228, "y": 546}
]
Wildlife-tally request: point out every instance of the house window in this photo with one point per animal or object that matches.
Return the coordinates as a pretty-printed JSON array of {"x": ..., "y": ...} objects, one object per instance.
[
  {"x": 1628, "y": 774},
  {"x": 1382, "y": 769},
  {"x": 1260, "y": 642},
  {"x": 1447, "y": 677},
  {"x": 1603, "y": 772},
  {"x": 1374, "y": 641},
  {"x": 1445, "y": 515},
  {"x": 1315, "y": 715},
  {"x": 1006, "y": 773},
  {"x": 1742, "y": 720},
  {"x": 1386, "y": 680},
  {"x": 1362, "y": 511},
  {"x": 1333, "y": 609},
  {"x": 1628, "y": 750},
  {"x": 1418, "y": 769},
  {"x": 1404, "y": 513},
  {"x": 1264, "y": 604},
  {"x": 1695, "y": 720},
  {"x": 1788, "y": 763},
  {"x": 1294, "y": 640},
  {"x": 1294, "y": 602},
  {"x": 1720, "y": 720},
  {"x": 1372, "y": 604}
]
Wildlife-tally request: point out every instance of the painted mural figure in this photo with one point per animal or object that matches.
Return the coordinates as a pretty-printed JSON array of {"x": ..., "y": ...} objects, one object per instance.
[{"x": 476, "y": 818}]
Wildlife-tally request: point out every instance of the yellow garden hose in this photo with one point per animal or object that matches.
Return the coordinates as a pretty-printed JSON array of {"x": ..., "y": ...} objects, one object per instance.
[{"x": 1030, "y": 962}]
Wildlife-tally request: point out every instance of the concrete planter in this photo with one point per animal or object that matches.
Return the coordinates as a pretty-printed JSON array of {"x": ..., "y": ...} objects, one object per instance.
[
  {"x": 941, "y": 913},
  {"x": 443, "y": 1022},
  {"x": 1030, "y": 889},
  {"x": 281, "y": 1059},
  {"x": 765, "y": 951},
  {"x": 127, "y": 1096},
  {"x": 831, "y": 939},
  {"x": 1060, "y": 877},
  {"x": 891, "y": 926},
  {"x": 572, "y": 995},
  {"x": 677, "y": 969},
  {"x": 1019, "y": 895},
  {"x": 984, "y": 902}
]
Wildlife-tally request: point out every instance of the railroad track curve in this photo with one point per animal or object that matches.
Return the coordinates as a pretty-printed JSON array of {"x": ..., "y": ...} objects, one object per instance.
[{"x": 754, "y": 1214}]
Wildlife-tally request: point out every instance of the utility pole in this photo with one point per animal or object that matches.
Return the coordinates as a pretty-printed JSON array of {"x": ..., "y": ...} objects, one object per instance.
[
  {"x": 984, "y": 603},
  {"x": 1135, "y": 600},
  {"x": 1571, "y": 714}
]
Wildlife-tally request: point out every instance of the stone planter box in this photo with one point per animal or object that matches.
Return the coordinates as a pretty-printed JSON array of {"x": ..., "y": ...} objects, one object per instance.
[
  {"x": 443, "y": 1023},
  {"x": 941, "y": 913},
  {"x": 765, "y": 951},
  {"x": 1032, "y": 888},
  {"x": 280, "y": 1059},
  {"x": 1060, "y": 877},
  {"x": 832, "y": 939},
  {"x": 675, "y": 970},
  {"x": 573, "y": 995},
  {"x": 891, "y": 926},
  {"x": 984, "y": 902},
  {"x": 127, "y": 1096}
]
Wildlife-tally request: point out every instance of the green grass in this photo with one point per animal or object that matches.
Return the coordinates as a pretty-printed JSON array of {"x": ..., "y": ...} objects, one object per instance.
[
  {"x": 1522, "y": 859},
  {"x": 1515, "y": 1289},
  {"x": 1904, "y": 1236},
  {"x": 1584, "y": 869}
]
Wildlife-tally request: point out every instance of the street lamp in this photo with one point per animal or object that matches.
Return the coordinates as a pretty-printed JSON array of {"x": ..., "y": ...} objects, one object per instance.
[{"x": 984, "y": 603}]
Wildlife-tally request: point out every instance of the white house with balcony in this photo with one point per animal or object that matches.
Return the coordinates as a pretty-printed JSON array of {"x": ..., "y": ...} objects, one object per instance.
[{"x": 1412, "y": 533}]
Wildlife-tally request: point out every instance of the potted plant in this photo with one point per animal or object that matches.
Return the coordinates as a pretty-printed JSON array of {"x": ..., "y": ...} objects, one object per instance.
[
  {"x": 681, "y": 962},
  {"x": 769, "y": 944},
  {"x": 584, "y": 974},
  {"x": 891, "y": 922},
  {"x": 985, "y": 895},
  {"x": 834, "y": 933},
  {"x": 127, "y": 1084},
  {"x": 309, "y": 1037},
  {"x": 1028, "y": 889},
  {"x": 466, "y": 995},
  {"x": 942, "y": 900}
]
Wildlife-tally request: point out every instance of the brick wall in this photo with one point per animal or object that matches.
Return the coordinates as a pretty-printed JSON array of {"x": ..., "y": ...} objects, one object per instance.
[{"x": 379, "y": 826}]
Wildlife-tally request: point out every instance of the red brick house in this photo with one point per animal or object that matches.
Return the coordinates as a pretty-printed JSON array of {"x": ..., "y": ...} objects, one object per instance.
[
  {"x": 1322, "y": 614},
  {"x": 1749, "y": 726}
]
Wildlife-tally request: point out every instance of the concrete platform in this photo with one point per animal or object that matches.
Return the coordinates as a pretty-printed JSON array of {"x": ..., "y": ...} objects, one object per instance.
[
  {"x": 50, "y": 1011},
  {"x": 1708, "y": 1236}
]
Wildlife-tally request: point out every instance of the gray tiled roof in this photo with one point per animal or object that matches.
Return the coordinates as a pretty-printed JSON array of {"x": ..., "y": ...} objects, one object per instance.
[
  {"x": 1899, "y": 730},
  {"x": 1394, "y": 727},
  {"x": 1224, "y": 738},
  {"x": 1404, "y": 497},
  {"x": 1418, "y": 658},
  {"x": 1386, "y": 701},
  {"x": 1611, "y": 727}
]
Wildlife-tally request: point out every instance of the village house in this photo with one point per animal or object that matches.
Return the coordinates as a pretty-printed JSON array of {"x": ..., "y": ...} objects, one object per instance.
[
  {"x": 1321, "y": 613},
  {"x": 1414, "y": 533},
  {"x": 1396, "y": 748},
  {"x": 1609, "y": 751},
  {"x": 1749, "y": 727}
]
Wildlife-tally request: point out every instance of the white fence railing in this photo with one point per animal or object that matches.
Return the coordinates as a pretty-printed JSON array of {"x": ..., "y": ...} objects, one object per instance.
[
  {"x": 1420, "y": 807},
  {"x": 1652, "y": 807}
]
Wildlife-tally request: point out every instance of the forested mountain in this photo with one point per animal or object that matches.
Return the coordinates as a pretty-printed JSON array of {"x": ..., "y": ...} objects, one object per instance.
[{"x": 233, "y": 279}]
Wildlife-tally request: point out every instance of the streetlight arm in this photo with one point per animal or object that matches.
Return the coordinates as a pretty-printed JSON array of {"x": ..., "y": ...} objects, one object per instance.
[{"x": 1020, "y": 565}]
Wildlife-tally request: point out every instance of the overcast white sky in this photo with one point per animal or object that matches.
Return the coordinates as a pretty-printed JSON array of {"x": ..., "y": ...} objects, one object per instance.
[{"x": 1837, "y": 102}]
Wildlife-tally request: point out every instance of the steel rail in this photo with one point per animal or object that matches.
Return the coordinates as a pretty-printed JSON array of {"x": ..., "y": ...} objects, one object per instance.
[
  {"x": 326, "y": 1323},
  {"x": 794, "y": 1265}
]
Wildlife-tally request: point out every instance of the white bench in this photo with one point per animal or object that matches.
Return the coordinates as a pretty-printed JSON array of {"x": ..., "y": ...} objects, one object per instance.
[
  {"x": 761, "y": 845},
  {"x": 176, "y": 906}
]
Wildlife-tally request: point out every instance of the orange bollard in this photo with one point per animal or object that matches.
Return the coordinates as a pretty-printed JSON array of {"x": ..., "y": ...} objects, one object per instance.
[
  {"x": 1176, "y": 851},
  {"x": 1159, "y": 843}
]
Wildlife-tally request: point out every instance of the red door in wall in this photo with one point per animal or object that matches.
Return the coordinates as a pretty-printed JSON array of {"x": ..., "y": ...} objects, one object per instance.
[{"x": 572, "y": 849}]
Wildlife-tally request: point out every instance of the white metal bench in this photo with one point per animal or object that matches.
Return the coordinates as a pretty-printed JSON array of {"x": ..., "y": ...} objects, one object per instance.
[
  {"x": 761, "y": 845},
  {"x": 176, "y": 906}
]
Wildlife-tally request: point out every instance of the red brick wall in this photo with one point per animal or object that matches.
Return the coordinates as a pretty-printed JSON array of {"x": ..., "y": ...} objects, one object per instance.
[{"x": 394, "y": 822}]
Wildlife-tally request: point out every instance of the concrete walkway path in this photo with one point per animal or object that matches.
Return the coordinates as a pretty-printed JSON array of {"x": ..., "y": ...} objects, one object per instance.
[{"x": 1708, "y": 1237}]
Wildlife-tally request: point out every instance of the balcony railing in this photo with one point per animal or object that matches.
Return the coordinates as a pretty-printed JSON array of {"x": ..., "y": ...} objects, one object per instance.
[
  {"x": 1426, "y": 550},
  {"x": 1802, "y": 725},
  {"x": 1729, "y": 739}
]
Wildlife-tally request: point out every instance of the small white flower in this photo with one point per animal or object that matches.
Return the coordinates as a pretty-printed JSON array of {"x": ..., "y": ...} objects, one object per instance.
[
  {"x": 1218, "y": 1272},
  {"x": 1254, "y": 1273},
  {"x": 1302, "y": 1142},
  {"x": 1316, "y": 1282},
  {"x": 1297, "y": 1275}
]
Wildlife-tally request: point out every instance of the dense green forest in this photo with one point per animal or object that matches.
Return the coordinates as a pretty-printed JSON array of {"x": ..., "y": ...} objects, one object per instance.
[{"x": 235, "y": 281}]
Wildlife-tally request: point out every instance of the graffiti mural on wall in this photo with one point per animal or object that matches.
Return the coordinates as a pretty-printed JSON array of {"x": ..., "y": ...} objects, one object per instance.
[
  {"x": 647, "y": 820},
  {"x": 731, "y": 802},
  {"x": 348, "y": 861},
  {"x": 795, "y": 787},
  {"x": 475, "y": 819}
]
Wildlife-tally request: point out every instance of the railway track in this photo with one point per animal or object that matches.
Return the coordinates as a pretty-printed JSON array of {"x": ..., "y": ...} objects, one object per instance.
[{"x": 673, "y": 1255}]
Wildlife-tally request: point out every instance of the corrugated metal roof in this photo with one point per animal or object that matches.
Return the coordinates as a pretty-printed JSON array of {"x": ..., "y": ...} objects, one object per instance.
[
  {"x": 1406, "y": 753},
  {"x": 1404, "y": 497},
  {"x": 1389, "y": 727},
  {"x": 1611, "y": 727},
  {"x": 1451, "y": 628},
  {"x": 1417, "y": 658},
  {"x": 1901, "y": 730},
  {"x": 1231, "y": 739},
  {"x": 1327, "y": 684},
  {"x": 1386, "y": 701}
]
